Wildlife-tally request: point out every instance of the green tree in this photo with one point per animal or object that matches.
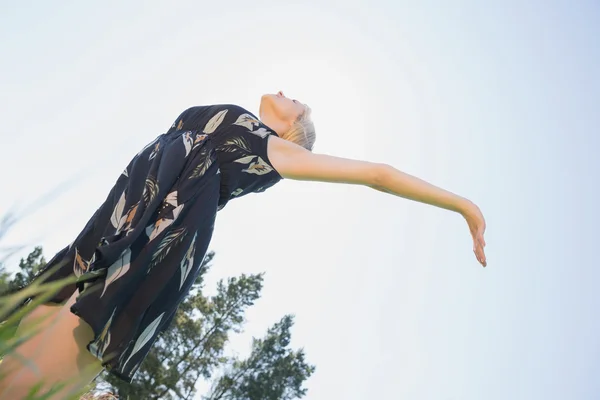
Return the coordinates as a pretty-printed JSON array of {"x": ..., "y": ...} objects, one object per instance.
[
  {"x": 272, "y": 371},
  {"x": 4, "y": 279},
  {"x": 28, "y": 267}
]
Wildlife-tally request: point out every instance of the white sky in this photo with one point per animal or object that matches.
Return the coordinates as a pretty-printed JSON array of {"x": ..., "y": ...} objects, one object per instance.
[{"x": 497, "y": 102}]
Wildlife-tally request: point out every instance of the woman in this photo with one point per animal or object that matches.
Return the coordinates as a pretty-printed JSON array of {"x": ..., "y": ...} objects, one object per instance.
[{"x": 139, "y": 254}]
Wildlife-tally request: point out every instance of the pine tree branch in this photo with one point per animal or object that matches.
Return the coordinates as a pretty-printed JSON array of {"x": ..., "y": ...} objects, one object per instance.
[
  {"x": 250, "y": 364},
  {"x": 208, "y": 333},
  {"x": 192, "y": 389}
]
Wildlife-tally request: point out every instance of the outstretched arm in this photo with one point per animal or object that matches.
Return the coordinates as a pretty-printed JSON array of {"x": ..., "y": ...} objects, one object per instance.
[{"x": 295, "y": 162}]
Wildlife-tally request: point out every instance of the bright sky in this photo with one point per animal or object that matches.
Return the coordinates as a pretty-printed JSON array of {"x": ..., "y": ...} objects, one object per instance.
[{"x": 496, "y": 102}]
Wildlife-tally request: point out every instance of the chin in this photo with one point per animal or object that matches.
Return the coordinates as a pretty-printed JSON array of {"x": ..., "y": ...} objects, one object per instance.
[
  {"x": 264, "y": 100},
  {"x": 261, "y": 106},
  {"x": 268, "y": 97}
]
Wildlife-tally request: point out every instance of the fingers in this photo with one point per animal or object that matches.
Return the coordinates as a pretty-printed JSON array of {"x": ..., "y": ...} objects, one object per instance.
[
  {"x": 478, "y": 245},
  {"x": 480, "y": 255},
  {"x": 480, "y": 251},
  {"x": 477, "y": 231}
]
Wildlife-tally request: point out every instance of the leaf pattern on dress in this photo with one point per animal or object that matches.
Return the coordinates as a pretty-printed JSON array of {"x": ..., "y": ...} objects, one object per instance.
[
  {"x": 136, "y": 366},
  {"x": 118, "y": 211},
  {"x": 162, "y": 223},
  {"x": 214, "y": 122},
  {"x": 248, "y": 121},
  {"x": 205, "y": 162},
  {"x": 150, "y": 190},
  {"x": 145, "y": 337},
  {"x": 237, "y": 192},
  {"x": 127, "y": 219},
  {"x": 256, "y": 165},
  {"x": 234, "y": 144},
  {"x": 125, "y": 173},
  {"x": 154, "y": 151},
  {"x": 198, "y": 140},
  {"x": 152, "y": 143},
  {"x": 188, "y": 261},
  {"x": 260, "y": 167},
  {"x": 81, "y": 265},
  {"x": 165, "y": 246},
  {"x": 169, "y": 213},
  {"x": 262, "y": 132},
  {"x": 172, "y": 198},
  {"x": 187, "y": 142},
  {"x": 245, "y": 160},
  {"x": 117, "y": 269},
  {"x": 99, "y": 346}
]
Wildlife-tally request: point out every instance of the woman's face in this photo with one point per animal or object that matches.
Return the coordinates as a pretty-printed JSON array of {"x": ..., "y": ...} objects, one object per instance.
[{"x": 278, "y": 107}]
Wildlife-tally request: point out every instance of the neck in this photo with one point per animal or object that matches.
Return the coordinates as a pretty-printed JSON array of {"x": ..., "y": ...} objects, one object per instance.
[{"x": 280, "y": 127}]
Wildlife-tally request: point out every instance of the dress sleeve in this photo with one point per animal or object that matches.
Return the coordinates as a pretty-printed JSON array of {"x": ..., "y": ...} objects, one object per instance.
[
  {"x": 245, "y": 166},
  {"x": 255, "y": 166}
]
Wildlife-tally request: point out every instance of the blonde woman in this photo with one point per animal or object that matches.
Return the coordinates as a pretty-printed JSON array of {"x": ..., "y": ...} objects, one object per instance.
[{"x": 139, "y": 254}]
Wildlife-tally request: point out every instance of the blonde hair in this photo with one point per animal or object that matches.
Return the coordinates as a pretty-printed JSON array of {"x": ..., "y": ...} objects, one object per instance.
[{"x": 302, "y": 131}]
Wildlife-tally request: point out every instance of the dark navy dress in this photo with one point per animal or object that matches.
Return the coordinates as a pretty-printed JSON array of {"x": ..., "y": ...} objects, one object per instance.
[{"x": 138, "y": 256}]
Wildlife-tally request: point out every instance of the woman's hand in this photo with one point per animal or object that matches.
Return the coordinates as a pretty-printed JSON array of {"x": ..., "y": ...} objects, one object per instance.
[{"x": 476, "y": 223}]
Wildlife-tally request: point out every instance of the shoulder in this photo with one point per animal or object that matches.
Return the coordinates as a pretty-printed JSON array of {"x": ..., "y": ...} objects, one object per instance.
[{"x": 209, "y": 117}]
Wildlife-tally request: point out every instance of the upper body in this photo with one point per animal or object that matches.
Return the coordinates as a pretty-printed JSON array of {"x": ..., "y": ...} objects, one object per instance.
[
  {"x": 234, "y": 139},
  {"x": 256, "y": 153}
]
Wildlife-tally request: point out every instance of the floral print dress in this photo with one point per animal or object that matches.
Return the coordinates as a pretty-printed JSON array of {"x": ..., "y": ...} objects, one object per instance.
[{"x": 138, "y": 256}]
